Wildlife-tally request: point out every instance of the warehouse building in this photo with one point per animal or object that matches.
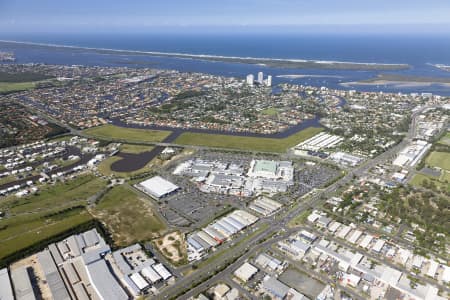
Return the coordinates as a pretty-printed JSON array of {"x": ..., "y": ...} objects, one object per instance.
[
  {"x": 268, "y": 262},
  {"x": 23, "y": 289},
  {"x": 200, "y": 242},
  {"x": 378, "y": 245},
  {"x": 345, "y": 159},
  {"x": 355, "y": 236},
  {"x": 104, "y": 282},
  {"x": 52, "y": 276},
  {"x": 157, "y": 187},
  {"x": 162, "y": 271},
  {"x": 432, "y": 268},
  {"x": 366, "y": 241},
  {"x": 412, "y": 154},
  {"x": 151, "y": 274},
  {"x": 295, "y": 248},
  {"x": 265, "y": 206},
  {"x": 345, "y": 260},
  {"x": 219, "y": 237},
  {"x": 334, "y": 226},
  {"x": 275, "y": 287},
  {"x": 345, "y": 230},
  {"x": 245, "y": 272},
  {"x": 6, "y": 292},
  {"x": 138, "y": 272},
  {"x": 139, "y": 281},
  {"x": 318, "y": 142},
  {"x": 307, "y": 236}
]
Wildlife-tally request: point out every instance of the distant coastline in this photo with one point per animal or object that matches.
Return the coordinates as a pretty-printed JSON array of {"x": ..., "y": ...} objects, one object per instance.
[{"x": 270, "y": 62}]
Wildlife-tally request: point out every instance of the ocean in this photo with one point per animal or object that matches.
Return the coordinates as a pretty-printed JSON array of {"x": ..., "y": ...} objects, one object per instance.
[{"x": 419, "y": 51}]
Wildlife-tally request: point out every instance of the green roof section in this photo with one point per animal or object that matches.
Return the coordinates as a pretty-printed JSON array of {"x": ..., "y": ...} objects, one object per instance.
[{"x": 265, "y": 166}]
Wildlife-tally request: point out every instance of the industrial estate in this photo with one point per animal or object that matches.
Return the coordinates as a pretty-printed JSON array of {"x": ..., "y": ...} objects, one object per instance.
[{"x": 139, "y": 183}]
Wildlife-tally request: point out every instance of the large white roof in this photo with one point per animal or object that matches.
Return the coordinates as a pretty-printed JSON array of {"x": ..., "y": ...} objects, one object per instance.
[
  {"x": 158, "y": 186},
  {"x": 245, "y": 272}
]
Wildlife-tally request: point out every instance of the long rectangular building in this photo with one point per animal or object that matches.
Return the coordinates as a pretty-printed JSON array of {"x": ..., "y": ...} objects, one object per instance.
[
  {"x": 104, "y": 282},
  {"x": 214, "y": 233},
  {"x": 6, "y": 292},
  {"x": 265, "y": 206},
  {"x": 52, "y": 276},
  {"x": 206, "y": 237},
  {"x": 23, "y": 288},
  {"x": 236, "y": 224}
]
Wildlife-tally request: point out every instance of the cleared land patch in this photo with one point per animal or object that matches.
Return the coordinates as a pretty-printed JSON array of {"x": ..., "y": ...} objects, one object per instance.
[
  {"x": 129, "y": 217},
  {"x": 172, "y": 246}
]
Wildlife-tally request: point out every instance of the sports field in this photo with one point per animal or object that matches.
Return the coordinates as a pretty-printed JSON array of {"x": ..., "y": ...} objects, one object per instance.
[{"x": 439, "y": 160}]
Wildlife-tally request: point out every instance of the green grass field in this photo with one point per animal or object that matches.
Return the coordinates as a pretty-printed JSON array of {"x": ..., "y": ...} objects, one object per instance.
[
  {"x": 439, "y": 159},
  {"x": 418, "y": 180},
  {"x": 135, "y": 149},
  {"x": 39, "y": 231},
  {"x": 270, "y": 111},
  {"x": 37, "y": 217},
  {"x": 8, "y": 87},
  {"x": 128, "y": 216},
  {"x": 55, "y": 197},
  {"x": 127, "y": 134},
  {"x": 299, "y": 219},
  {"x": 246, "y": 143},
  {"x": 445, "y": 140},
  {"x": 7, "y": 179}
]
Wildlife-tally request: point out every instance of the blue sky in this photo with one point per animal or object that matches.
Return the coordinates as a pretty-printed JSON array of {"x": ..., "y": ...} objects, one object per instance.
[{"x": 124, "y": 15}]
